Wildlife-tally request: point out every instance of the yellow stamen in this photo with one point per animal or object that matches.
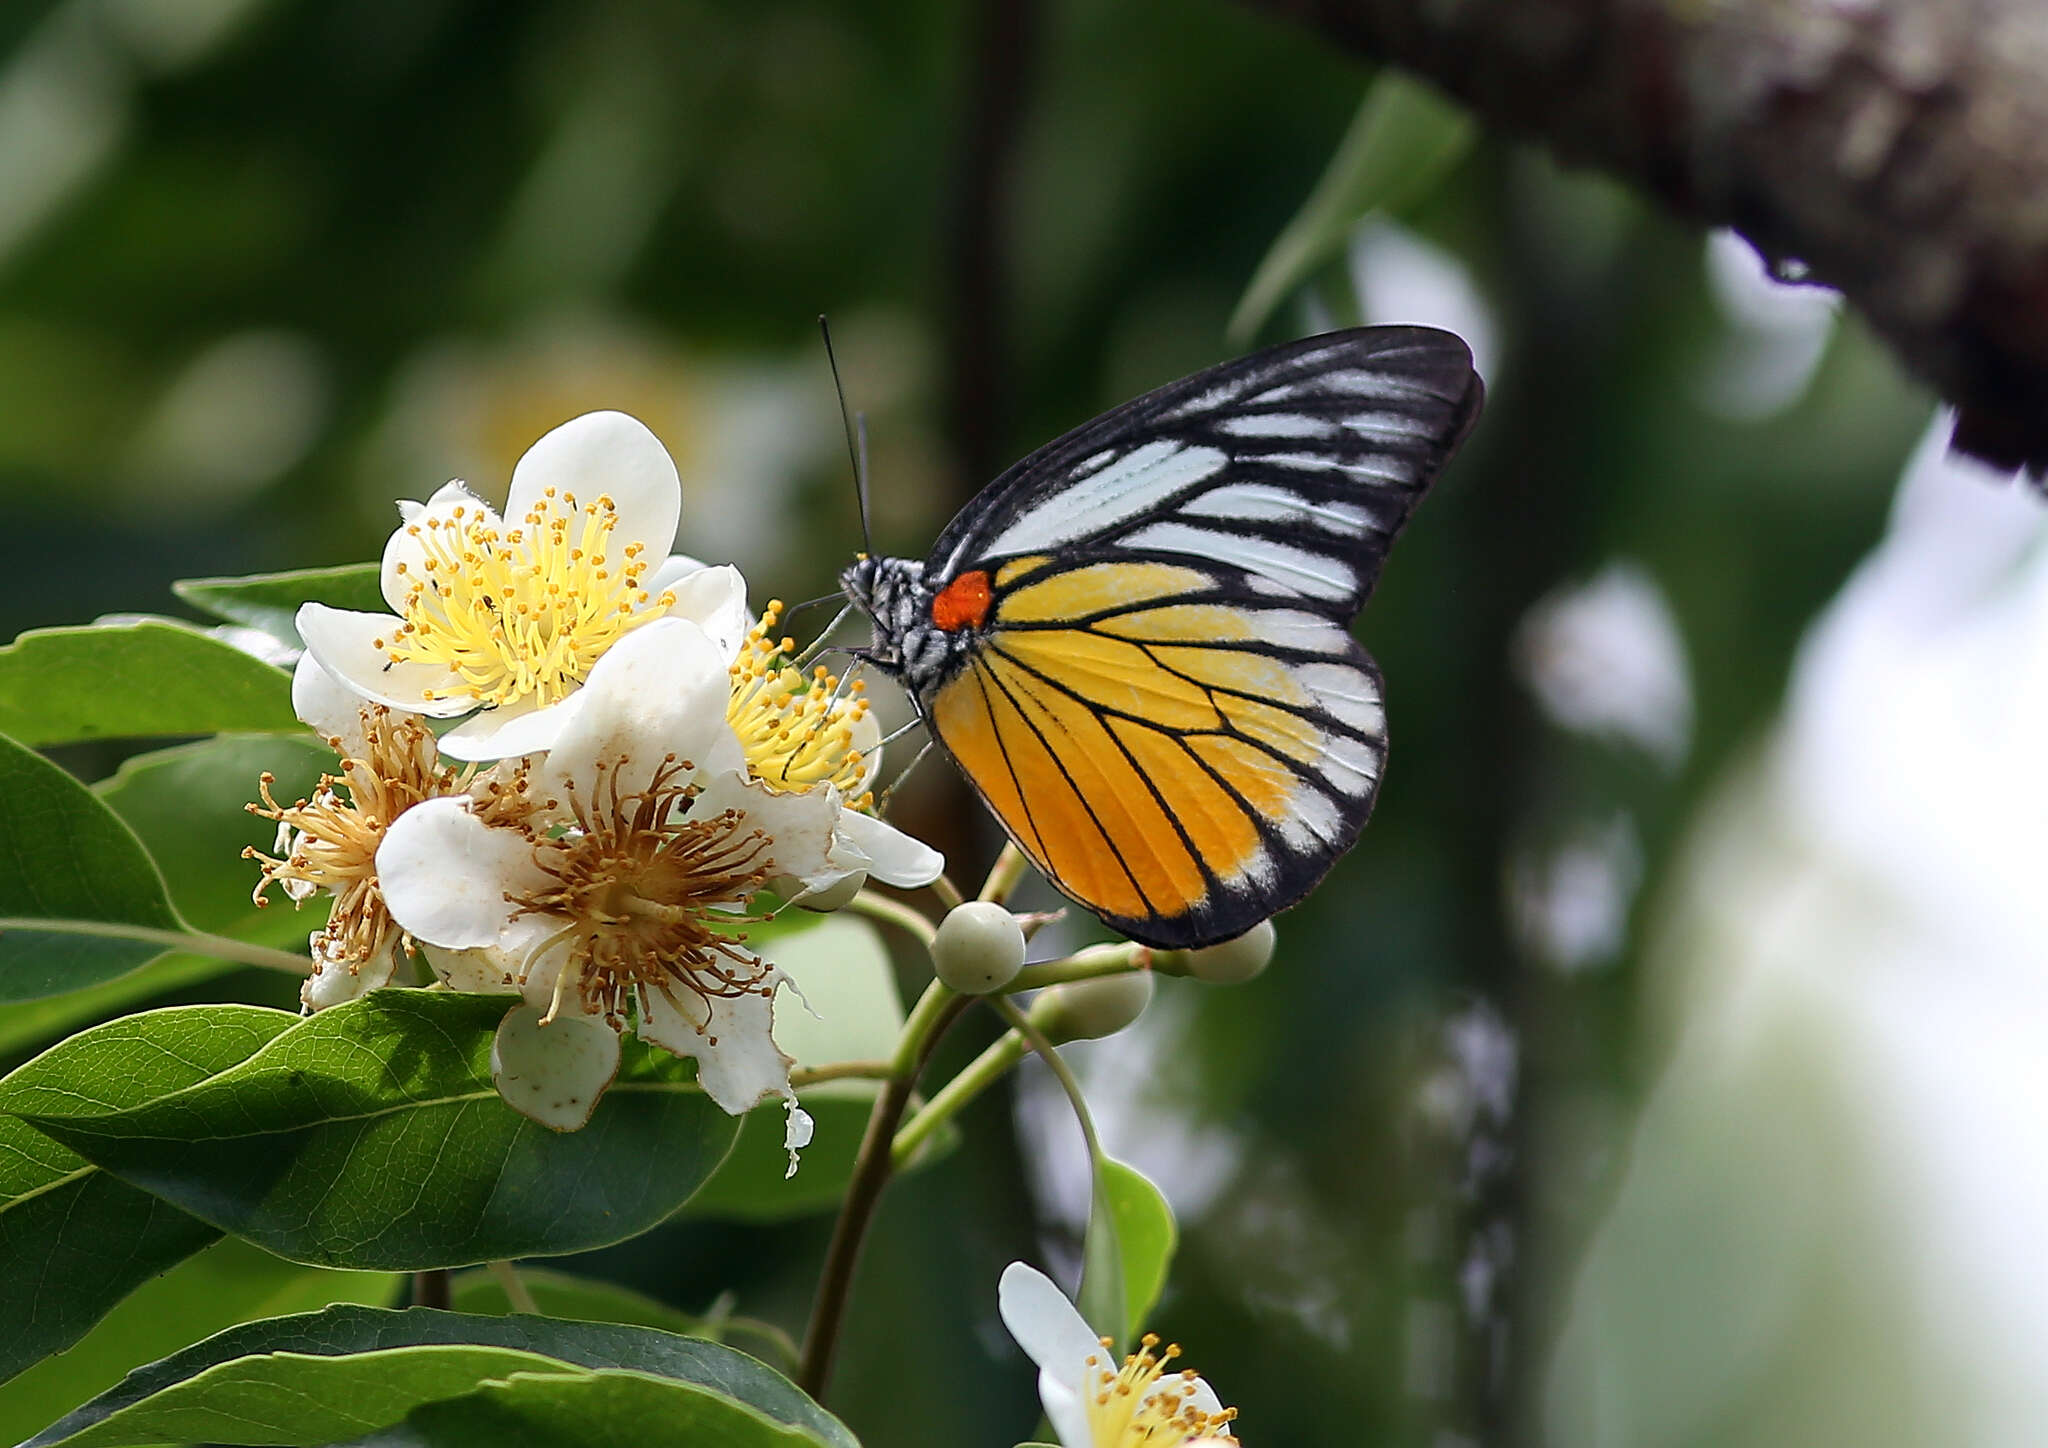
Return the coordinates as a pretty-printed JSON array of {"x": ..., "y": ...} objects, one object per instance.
[
  {"x": 1142, "y": 1405},
  {"x": 523, "y": 613},
  {"x": 798, "y": 732}
]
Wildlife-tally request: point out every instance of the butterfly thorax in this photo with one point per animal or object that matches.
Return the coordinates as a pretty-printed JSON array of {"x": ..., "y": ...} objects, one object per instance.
[{"x": 922, "y": 633}]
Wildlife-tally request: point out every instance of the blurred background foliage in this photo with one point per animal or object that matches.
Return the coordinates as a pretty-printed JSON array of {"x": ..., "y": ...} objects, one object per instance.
[{"x": 266, "y": 265}]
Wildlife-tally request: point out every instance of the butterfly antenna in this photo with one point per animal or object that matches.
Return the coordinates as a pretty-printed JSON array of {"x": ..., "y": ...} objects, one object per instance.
[
  {"x": 856, "y": 438},
  {"x": 818, "y": 645}
]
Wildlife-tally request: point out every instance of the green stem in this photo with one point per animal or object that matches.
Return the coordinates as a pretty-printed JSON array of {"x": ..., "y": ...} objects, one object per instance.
[
  {"x": 1004, "y": 874},
  {"x": 840, "y": 1071},
  {"x": 920, "y": 1029},
  {"x": 1023, "y": 1026},
  {"x": 949, "y": 894},
  {"x": 515, "y": 1289},
  {"x": 895, "y": 912},
  {"x": 936, "y": 1009},
  {"x": 193, "y": 942},
  {"x": 1091, "y": 963},
  {"x": 980, "y": 1074}
]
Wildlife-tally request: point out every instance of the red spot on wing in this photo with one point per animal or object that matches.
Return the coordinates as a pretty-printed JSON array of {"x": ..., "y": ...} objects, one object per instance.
[{"x": 963, "y": 603}]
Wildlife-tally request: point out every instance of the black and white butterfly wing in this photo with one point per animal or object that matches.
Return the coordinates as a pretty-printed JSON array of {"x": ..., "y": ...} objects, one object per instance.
[{"x": 1297, "y": 465}]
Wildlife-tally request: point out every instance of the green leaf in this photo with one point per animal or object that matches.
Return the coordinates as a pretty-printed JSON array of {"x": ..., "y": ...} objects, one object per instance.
[
  {"x": 845, "y": 1008},
  {"x": 1104, "y": 1300},
  {"x": 73, "y": 1240},
  {"x": 228, "y": 1283},
  {"x": 1129, "y": 1245},
  {"x": 370, "y": 1136},
  {"x": 592, "y": 1410},
  {"x": 80, "y": 900},
  {"x": 1146, "y": 1236},
  {"x": 185, "y": 805},
  {"x": 585, "y": 1299},
  {"x": 1404, "y": 139},
  {"x": 325, "y": 1376},
  {"x": 268, "y": 601},
  {"x": 24, "y": 1024},
  {"x": 135, "y": 680},
  {"x": 579, "y": 1299}
]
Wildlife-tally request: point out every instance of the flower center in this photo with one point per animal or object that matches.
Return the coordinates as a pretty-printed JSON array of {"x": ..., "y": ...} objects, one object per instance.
[
  {"x": 638, "y": 887},
  {"x": 1143, "y": 1405},
  {"x": 797, "y": 730},
  {"x": 329, "y": 842},
  {"x": 525, "y": 612}
]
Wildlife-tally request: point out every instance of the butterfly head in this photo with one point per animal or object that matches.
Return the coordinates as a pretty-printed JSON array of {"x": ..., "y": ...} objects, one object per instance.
[{"x": 902, "y": 606}]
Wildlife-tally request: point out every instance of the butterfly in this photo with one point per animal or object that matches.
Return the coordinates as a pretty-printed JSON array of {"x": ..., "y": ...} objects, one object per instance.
[{"x": 1136, "y": 644}]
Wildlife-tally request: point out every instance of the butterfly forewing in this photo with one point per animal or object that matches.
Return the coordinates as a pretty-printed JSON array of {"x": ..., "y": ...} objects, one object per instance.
[{"x": 1297, "y": 465}]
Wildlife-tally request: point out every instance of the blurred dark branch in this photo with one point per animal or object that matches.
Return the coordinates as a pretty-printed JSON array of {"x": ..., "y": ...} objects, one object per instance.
[
  {"x": 1003, "y": 44},
  {"x": 1895, "y": 149}
]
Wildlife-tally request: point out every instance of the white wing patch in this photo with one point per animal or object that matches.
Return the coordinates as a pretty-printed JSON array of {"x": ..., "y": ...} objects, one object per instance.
[
  {"x": 1264, "y": 503},
  {"x": 1295, "y": 569},
  {"x": 1142, "y": 478},
  {"x": 1278, "y": 424}
]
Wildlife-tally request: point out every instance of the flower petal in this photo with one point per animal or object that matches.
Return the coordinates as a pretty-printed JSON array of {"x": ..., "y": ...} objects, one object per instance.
[
  {"x": 332, "y": 982},
  {"x": 738, "y": 1063},
  {"x": 480, "y": 971},
  {"x": 673, "y": 570},
  {"x": 661, "y": 690},
  {"x": 553, "y": 1073},
  {"x": 524, "y": 726},
  {"x": 798, "y": 826},
  {"x": 884, "y": 851},
  {"x": 404, "y": 547},
  {"x": 332, "y": 708},
  {"x": 606, "y": 454},
  {"x": 714, "y": 599},
  {"x": 1066, "y": 1411},
  {"x": 867, "y": 742},
  {"x": 445, "y": 874},
  {"x": 353, "y": 648},
  {"x": 1047, "y": 1327}
]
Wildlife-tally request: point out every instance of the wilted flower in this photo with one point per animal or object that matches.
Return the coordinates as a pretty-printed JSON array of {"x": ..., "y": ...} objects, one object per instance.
[
  {"x": 624, "y": 896},
  {"x": 329, "y": 842},
  {"x": 503, "y": 619},
  {"x": 1090, "y": 1399}
]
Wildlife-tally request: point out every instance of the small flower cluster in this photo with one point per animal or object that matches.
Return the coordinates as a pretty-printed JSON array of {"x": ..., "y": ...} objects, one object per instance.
[{"x": 638, "y": 759}]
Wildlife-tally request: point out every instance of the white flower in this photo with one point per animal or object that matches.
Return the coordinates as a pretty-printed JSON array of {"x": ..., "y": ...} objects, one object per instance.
[
  {"x": 624, "y": 896},
  {"x": 800, "y": 731},
  {"x": 1139, "y": 1404},
  {"x": 503, "y": 619},
  {"x": 329, "y": 842}
]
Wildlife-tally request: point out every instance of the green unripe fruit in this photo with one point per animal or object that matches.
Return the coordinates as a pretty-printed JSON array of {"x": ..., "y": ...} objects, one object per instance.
[
  {"x": 979, "y": 948},
  {"x": 1086, "y": 1010},
  {"x": 1232, "y": 962}
]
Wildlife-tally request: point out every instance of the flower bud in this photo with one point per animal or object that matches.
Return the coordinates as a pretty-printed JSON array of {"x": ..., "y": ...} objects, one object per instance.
[
  {"x": 1234, "y": 961},
  {"x": 979, "y": 948},
  {"x": 1085, "y": 1010}
]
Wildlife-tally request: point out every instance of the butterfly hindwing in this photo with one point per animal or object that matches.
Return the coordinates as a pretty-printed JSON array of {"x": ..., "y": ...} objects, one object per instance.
[{"x": 1184, "y": 761}]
